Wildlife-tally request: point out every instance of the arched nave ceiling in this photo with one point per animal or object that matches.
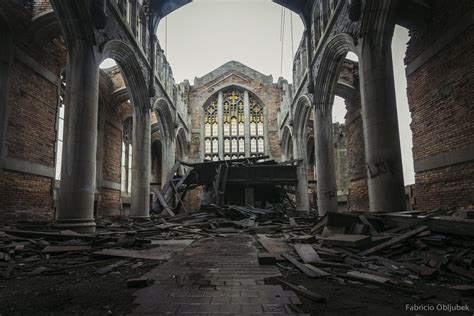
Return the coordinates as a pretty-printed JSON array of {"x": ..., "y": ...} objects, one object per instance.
[{"x": 162, "y": 8}]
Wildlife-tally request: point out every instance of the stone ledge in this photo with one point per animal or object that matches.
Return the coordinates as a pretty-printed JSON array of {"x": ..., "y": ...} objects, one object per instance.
[
  {"x": 27, "y": 167},
  {"x": 459, "y": 155}
]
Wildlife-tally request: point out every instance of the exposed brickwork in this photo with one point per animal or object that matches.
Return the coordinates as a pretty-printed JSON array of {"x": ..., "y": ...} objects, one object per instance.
[
  {"x": 33, "y": 101},
  {"x": 448, "y": 187},
  {"x": 358, "y": 197},
  {"x": 109, "y": 203},
  {"x": 440, "y": 96},
  {"x": 112, "y": 153},
  {"x": 25, "y": 196}
]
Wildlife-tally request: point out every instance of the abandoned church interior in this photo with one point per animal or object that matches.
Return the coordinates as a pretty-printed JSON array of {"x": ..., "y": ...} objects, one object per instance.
[{"x": 123, "y": 191}]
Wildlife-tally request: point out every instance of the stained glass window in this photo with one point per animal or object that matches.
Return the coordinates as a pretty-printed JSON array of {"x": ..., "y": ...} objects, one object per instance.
[
  {"x": 233, "y": 126},
  {"x": 211, "y": 126}
]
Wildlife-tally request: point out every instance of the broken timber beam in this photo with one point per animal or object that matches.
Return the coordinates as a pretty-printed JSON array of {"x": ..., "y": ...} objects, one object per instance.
[{"x": 393, "y": 241}]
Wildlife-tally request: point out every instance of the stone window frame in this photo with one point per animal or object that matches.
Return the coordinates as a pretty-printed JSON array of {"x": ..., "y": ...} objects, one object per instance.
[{"x": 261, "y": 138}]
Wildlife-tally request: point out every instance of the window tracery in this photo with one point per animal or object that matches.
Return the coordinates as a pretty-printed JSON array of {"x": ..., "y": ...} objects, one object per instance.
[{"x": 234, "y": 124}]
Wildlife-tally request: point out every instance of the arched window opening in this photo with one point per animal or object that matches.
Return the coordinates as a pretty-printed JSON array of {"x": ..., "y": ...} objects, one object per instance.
[
  {"x": 242, "y": 126},
  {"x": 127, "y": 156},
  {"x": 60, "y": 126}
]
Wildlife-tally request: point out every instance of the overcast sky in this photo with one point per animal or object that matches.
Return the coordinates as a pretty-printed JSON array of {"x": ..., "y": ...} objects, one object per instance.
[{"x": 205, "y": 34}]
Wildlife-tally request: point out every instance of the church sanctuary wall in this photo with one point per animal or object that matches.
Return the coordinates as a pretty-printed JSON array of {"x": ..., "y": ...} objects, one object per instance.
[{"x": 441, "y": 108}]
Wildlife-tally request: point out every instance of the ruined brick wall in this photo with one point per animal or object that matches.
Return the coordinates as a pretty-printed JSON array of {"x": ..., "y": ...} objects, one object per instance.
[
  {"x": 358, "y": 193},
  {"x": 31, "y": 131},
  {"x": 25, "y": 196},
  {"x": 440, "y": 92},
  {"x": 109, "y": 202}
]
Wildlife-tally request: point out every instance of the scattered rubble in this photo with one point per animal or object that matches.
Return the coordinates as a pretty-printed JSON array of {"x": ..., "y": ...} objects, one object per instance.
[{"x": 342, "y": 247}]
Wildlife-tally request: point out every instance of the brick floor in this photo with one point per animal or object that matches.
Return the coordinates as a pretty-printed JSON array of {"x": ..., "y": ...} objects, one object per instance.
[{"x": 215, "y": 276}]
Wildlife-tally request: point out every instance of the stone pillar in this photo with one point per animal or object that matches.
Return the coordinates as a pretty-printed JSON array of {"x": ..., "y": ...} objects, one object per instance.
[
  {"x": 78, "y": 172},
  {"x": 141, "y": 164},
  {"x": 301, "y": 195},
  {"x": 382, "y": 142},
  {"x": 325, "y": 161},
  {"x": 247, "y": 123},
  {"x": 220, "y": 123}
]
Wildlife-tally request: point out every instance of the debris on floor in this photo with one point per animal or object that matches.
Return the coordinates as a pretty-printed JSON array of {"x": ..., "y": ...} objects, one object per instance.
[{"x": 366, "y": 250}]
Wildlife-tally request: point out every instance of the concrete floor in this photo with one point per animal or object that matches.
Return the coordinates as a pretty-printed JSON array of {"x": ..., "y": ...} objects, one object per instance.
[{"x": 218, "y": 276}]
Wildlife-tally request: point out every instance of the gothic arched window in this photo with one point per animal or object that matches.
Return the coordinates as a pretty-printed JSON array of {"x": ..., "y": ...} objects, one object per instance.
[{"x": 242, "y": 126}]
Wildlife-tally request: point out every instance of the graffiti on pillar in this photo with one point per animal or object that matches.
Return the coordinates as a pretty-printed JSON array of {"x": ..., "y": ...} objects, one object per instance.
[
  {"x": 330, "y": 194},
  {"x": 381, "y": 167}
]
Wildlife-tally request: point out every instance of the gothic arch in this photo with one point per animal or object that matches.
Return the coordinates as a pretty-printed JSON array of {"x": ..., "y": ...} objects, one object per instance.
[
  {"x": 302, "y": 113},
  {"x": 43, "y": 29},
  {"x": 333, "y": 55},
  {"x": 165, "y": 120},
  {"x": 287, "y": 143},
  {"x": 181, "y": 144},
  {"x": 127, "y": 61}
]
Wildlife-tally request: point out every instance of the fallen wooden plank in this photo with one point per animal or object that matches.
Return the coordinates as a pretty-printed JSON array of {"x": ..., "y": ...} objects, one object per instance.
[
  {"x": 304, "y": 292},
  {"x": 372, "y": 229},
  {"x": 416, "y": 223},
  {"x": 306, "y": 252},
  {"x": 329, "y": 264},
  {"x": 66, "y": 248},
  {"x": 310, "y": 273},
  {"x": 317, "y": 270},
  {"x": 36, "y": 234},
  {"x": 393, "y": 241},
  {"x": 346, "y": 240},
  {"x": 368, "y": 277},
  {"x": 273, "y": 245},
  {"x": 152, "y": 253},
  {"x": 461, "y": 271}
]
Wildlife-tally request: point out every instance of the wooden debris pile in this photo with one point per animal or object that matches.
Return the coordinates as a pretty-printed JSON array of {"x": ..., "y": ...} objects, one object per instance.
[{"x": 350, "y": 248}]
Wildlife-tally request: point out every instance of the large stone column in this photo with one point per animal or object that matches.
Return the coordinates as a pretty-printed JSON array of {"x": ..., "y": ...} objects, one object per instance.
[
  {"x": 301, "y": 195},
  {"x": 382, "y": 142},
  {"x": 141, "y": 164},
  {"x": 78, "y": 172},
  {"x": 325, "y": 161}
]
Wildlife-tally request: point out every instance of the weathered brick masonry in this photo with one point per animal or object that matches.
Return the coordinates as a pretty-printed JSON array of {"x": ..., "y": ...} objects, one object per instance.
[{"x": 441, "y": 108}]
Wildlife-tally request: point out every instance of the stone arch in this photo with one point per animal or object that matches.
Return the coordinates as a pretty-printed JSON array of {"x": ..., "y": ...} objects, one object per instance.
[
  {"x": 182, "y": 147},
  {"x": 287, "y": 143},
  {"x": 302, "y": 114},
  {"x": 43, "y": 29},
  {"x": 165, "y": 119},
  {"x": 132, "y": 72},
  {"x": 326, "y": 78}
]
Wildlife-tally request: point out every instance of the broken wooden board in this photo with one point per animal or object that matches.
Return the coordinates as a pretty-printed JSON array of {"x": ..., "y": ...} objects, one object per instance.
[
  {"x": 461, "y": 271},
  {"x": 152, "y": 253},
  {"x": 368, "y": 277},
  {"x": 317, "y": 270},
  {"x": 306, "y": 252},
  {"x": 346, "y": 240},
  {"x": 393, "y": 241},
  {"x": 310, "y": 273},
  {"x": 372, "y": 229},
  {"x": 65, "y": 248},
  {"x": 275, "y": 246},
  {"x": 332, "y": 230}
]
